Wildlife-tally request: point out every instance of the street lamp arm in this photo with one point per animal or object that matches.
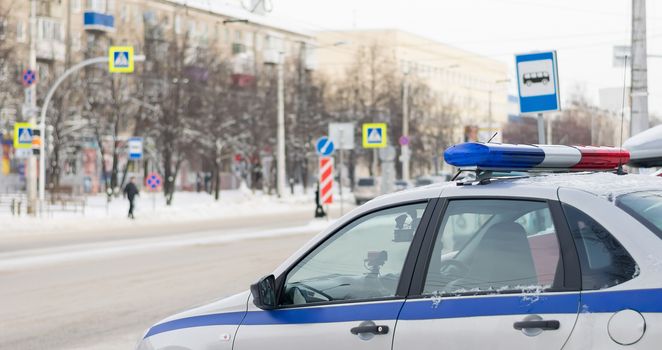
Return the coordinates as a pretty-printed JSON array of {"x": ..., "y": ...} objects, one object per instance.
[{"x": 44, "y": 108}]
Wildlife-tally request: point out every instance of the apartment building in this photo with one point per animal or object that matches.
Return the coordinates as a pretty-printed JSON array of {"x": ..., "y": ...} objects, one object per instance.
[{"x": 69, "y": 31}]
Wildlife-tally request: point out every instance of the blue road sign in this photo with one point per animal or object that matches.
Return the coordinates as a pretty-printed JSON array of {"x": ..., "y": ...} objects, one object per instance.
[
  {"x": 324, "y": 146},
  {"x": 538, "y": 82},
  {"x": 135, "y": 146},
  {"x": 29, "y": 77},
  {"x": 153, "y": 181}
]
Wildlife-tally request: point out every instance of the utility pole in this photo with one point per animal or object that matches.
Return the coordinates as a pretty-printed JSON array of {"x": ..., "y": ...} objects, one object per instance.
[
  {"x": 31, "y": 101},
  {"x": 280, "y": 154},
  {"x": 404, "y": 157},
  {"x": 639, "y": 70}
]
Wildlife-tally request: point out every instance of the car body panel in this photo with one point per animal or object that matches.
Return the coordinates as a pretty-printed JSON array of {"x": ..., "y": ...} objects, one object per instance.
[
  {"x": 303, "y": 328},
  {"x": 211, "y": 326},
  {"x": 642, "y": 293}
]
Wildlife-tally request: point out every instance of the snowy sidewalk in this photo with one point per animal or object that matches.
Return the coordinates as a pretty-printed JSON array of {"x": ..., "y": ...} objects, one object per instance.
[{"x": 151, "y": 210}]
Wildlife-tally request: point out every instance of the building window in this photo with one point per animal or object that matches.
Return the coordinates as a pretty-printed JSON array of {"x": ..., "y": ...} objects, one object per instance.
[
  {"x": 75, "y": 42},
  {"x": 178, "y": 24},
  {"x": 20, "y": 32},
  {"x": 149, "y": 17},
  {"x": 248, "y": 39},
  {"x": 96, "y": 6},
  {"x": 75, "y": 6},
  {"x": 49, "y": 29},
  {"x": 3, "y": 28},
  {"x": 124, "y": 13},
  {"x": 137, "y": 13},
  {"x": 191, "y": 29}
]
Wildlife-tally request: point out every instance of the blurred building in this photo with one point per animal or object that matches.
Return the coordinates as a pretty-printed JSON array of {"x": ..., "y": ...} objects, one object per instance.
[
  {"x": 474, "y": 84},
  {"x": 68, "y": 31}
]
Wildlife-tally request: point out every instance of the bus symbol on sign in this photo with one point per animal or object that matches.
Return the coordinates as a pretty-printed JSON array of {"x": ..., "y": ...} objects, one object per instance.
[{"x": 534, "y": 78}]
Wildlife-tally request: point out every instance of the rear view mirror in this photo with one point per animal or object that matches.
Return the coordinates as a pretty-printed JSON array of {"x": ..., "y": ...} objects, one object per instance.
[{"x": 264, "y": 293}]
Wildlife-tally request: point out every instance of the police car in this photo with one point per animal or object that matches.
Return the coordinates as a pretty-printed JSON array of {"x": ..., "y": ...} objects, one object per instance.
[{"x": 570, "y": 258}]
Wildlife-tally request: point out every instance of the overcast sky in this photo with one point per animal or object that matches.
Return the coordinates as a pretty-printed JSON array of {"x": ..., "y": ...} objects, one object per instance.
[{"x": 583, "y": 32}]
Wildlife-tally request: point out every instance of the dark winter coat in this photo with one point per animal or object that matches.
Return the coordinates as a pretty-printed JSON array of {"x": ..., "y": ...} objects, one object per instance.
[{"x": 131, "y": 191}]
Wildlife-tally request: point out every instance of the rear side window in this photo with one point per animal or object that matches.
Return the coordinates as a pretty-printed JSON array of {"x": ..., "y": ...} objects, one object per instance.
[
  {"x": 604, "y": 262},
  {"x": 645, "y": 207}
]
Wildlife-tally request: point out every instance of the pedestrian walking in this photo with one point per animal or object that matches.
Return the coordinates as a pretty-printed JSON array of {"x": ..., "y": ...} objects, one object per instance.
[{"x": 130, "y": 192}]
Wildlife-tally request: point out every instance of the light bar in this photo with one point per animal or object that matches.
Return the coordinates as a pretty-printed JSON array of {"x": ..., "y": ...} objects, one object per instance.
[{"x": 495, "y": 156}]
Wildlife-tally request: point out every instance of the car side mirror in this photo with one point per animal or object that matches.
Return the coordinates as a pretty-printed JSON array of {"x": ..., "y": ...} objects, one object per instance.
[{"x": 264, "y": 293}]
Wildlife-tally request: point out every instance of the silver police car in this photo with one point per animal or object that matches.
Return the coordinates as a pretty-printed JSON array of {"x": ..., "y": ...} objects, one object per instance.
[{"x": 546, "y": 261}]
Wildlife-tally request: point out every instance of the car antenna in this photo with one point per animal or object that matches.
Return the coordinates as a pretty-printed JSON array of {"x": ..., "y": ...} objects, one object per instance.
[
  {"x": 625, "y": 71},
  {"x": 492, "y": 138}
]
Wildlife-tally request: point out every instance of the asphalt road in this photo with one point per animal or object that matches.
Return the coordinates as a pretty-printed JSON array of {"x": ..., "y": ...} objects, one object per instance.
[{"x": 101, "y": 291}]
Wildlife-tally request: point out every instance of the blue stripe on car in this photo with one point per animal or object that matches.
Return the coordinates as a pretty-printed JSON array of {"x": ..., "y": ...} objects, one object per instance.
[
  {"x": 230, "y": 318},
  {"x": 647, "y": 300}
]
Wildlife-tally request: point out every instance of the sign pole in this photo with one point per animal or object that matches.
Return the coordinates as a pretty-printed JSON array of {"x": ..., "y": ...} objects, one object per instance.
[
  {"x": 541, "y": 129},
  {"x": 340, "y": 180},
  {"x": 31, "y": 99},
  {"x": 340, "y": 161}
]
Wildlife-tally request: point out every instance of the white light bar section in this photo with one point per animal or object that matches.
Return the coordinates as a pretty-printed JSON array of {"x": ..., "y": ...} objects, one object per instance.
[{"x": 559, "y": 157}]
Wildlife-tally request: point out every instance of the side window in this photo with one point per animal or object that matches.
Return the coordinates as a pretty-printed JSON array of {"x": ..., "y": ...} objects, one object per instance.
[
  {"x": 364, "y": 260},
  {"x": 604, "y": 262},
  {"x": 494, "y": 246}
]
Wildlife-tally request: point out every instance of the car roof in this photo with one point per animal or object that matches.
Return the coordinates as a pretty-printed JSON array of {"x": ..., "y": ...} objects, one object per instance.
[{"x": 544, "y": 186}]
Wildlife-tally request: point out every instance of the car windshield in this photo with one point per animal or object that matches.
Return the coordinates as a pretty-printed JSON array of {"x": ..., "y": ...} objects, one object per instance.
[
  {"x": 644, "y": 206},
  {"x": 366, "y": 182}
]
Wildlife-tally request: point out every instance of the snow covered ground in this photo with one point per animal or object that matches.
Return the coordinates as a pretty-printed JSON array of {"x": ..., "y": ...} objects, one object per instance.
[{"x": 152, "y": 209}]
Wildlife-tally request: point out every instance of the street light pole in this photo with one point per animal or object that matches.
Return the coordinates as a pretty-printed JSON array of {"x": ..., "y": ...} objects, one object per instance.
[
  {"x": 44, "y": 109},
  {"x": 31, "y": 92},
  {"x": 405, "y": 127},
  {"x": 280, "y": 153}
]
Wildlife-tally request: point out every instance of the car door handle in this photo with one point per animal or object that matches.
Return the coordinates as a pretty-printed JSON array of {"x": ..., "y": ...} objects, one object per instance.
[
  {"x": 369, "y": 329},
  {"x": 539, "y": 324}
]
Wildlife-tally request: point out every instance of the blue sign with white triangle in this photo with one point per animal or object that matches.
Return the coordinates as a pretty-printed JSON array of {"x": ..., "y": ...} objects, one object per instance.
[
  {"x": 121, "y": 59},
  {"x": 374, "y": 135},
  {"x": 25, "y": 136}
]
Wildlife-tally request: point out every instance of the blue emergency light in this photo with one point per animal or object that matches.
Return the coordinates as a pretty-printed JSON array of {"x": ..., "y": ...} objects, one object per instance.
[{"x": 496, "y": 156}]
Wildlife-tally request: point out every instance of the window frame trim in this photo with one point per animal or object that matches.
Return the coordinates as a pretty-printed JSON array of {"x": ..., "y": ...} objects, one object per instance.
[
  {"x": 407, "y": 269},
  {"x": 568, "y": 252}
]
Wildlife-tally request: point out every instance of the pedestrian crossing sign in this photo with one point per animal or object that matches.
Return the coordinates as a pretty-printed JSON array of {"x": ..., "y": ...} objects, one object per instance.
[
  {"x": 120, "y": 59},
  {"x": 22, "y": 135},
  {"x": 374, "y": 135}
]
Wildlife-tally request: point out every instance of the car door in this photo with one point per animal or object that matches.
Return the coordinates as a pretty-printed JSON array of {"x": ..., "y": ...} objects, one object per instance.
[
  {"x": 345, "y": 293},
  {"x": 495, "y": 277}
]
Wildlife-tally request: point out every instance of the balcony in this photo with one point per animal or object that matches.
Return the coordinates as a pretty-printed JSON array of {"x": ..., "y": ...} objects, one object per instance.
[
  {"x": 310, "y": 60},
  {"x": 271, "y": 56},
  {"x": 50, "y": 39},
  {"x": 243, "y": 69},
  {"x": 51, "y": 50},
  {"x": 98, "y": 21}
]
